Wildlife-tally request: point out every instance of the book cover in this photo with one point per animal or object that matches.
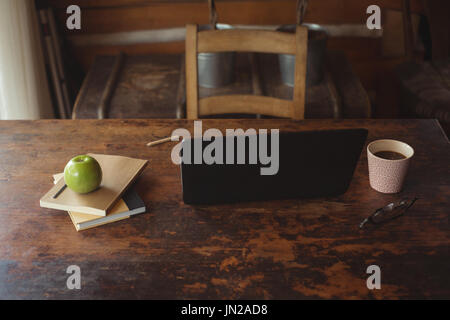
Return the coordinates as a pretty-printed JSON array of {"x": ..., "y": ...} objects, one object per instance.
[
  {"x": 118, "y": 174},
  {"x": 130, "y": 204}
]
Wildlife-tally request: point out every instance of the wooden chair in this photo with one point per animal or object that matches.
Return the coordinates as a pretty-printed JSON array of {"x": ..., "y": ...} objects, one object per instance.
[{"x": 245, "y": 41}]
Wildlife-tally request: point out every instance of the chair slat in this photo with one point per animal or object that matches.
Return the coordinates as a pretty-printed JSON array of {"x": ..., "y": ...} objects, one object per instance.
[
  {"x": 245, "y": 104},
  {"x": 246, "y": 41}
]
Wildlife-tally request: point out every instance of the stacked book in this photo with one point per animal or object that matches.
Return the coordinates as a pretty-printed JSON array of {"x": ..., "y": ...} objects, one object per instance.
[{"x": 114, "y": 200}]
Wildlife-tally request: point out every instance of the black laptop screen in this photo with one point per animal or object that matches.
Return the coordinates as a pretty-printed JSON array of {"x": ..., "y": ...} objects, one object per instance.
[{"x": 310, "y": 164}]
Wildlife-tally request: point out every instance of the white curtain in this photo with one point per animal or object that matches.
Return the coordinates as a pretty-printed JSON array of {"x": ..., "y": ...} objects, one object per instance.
[{"x": 24, "y": 92}]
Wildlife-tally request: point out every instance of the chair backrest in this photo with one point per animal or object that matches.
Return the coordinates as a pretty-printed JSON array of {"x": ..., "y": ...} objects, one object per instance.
[{"x": 245, "y": 41}]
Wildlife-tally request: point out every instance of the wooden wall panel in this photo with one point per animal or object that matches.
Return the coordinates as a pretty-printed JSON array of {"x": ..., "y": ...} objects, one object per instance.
[
  {"x": 166, "y": 15},
  {"x": 108, "y": 16},
  {"x": 416, "y": 5},
  {"x": 130, "y": 15}
]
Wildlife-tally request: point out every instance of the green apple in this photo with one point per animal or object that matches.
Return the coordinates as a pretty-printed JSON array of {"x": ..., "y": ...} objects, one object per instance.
[{"x": 83, "y": 174}]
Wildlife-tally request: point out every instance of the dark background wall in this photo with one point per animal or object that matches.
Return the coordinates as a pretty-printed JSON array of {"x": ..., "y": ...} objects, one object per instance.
[{"x": 102, "y": 16}]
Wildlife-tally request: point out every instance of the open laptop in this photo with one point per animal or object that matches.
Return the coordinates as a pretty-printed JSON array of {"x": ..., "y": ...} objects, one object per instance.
[{"x": 311, "y": 164}]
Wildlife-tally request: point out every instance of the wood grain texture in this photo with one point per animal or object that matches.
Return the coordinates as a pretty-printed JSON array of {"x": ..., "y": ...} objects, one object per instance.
[
  {"x": 105, "y": 16},
  {"x": 246, "y": 41},
  {"x": 102, "y": 110},
  {"x": 62, "y": 4},
  {"x": 158, "y": 15},
  {"x": 301, "y": 56},
  {"x": 191, "y": 72},
  {"x": 245, "y": 104},
  {"x": 146, "y": 86},
  {"x": 85, "y": 56},
  {"x": 120, "y": 16},
  {"x": 275, "y": 249}
]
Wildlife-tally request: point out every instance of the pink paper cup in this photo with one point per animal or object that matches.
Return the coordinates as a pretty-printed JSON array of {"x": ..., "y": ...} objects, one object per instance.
[{"x": 387, "y": 176}]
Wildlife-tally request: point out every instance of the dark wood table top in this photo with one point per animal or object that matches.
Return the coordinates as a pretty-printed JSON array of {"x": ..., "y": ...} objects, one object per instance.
[{"x": 276, "y": 249}]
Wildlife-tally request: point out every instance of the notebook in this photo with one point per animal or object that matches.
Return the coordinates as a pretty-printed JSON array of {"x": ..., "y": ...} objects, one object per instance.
[
  {"x": 118, "y": 174},
  {"x": 130, "y": 204}
]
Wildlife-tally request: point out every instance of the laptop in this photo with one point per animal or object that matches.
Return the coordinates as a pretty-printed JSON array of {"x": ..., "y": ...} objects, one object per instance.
[{"x": 310, "y": 164}]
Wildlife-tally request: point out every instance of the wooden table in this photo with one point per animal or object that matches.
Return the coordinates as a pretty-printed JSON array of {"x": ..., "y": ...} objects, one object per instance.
[{"x": 279, "y": 249}]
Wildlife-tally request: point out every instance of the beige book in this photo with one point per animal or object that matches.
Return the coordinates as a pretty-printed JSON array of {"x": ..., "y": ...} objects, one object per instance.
[
  {"x": 130, "y": 204},
  {"x": 83, "y": 221},
  {"x": 118, "y": 174}
]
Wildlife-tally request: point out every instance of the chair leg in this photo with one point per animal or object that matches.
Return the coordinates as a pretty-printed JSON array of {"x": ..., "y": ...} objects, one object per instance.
[
  {"x": 191, "y": 72},
  {"x": 301, "y": 38}
]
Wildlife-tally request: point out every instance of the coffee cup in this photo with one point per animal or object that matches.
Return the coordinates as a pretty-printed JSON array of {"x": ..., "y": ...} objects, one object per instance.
[{"x": 388, "y": 164}]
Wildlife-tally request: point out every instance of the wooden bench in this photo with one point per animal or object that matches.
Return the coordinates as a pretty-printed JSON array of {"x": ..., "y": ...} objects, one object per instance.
[{"x": 153, "y": 86}]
